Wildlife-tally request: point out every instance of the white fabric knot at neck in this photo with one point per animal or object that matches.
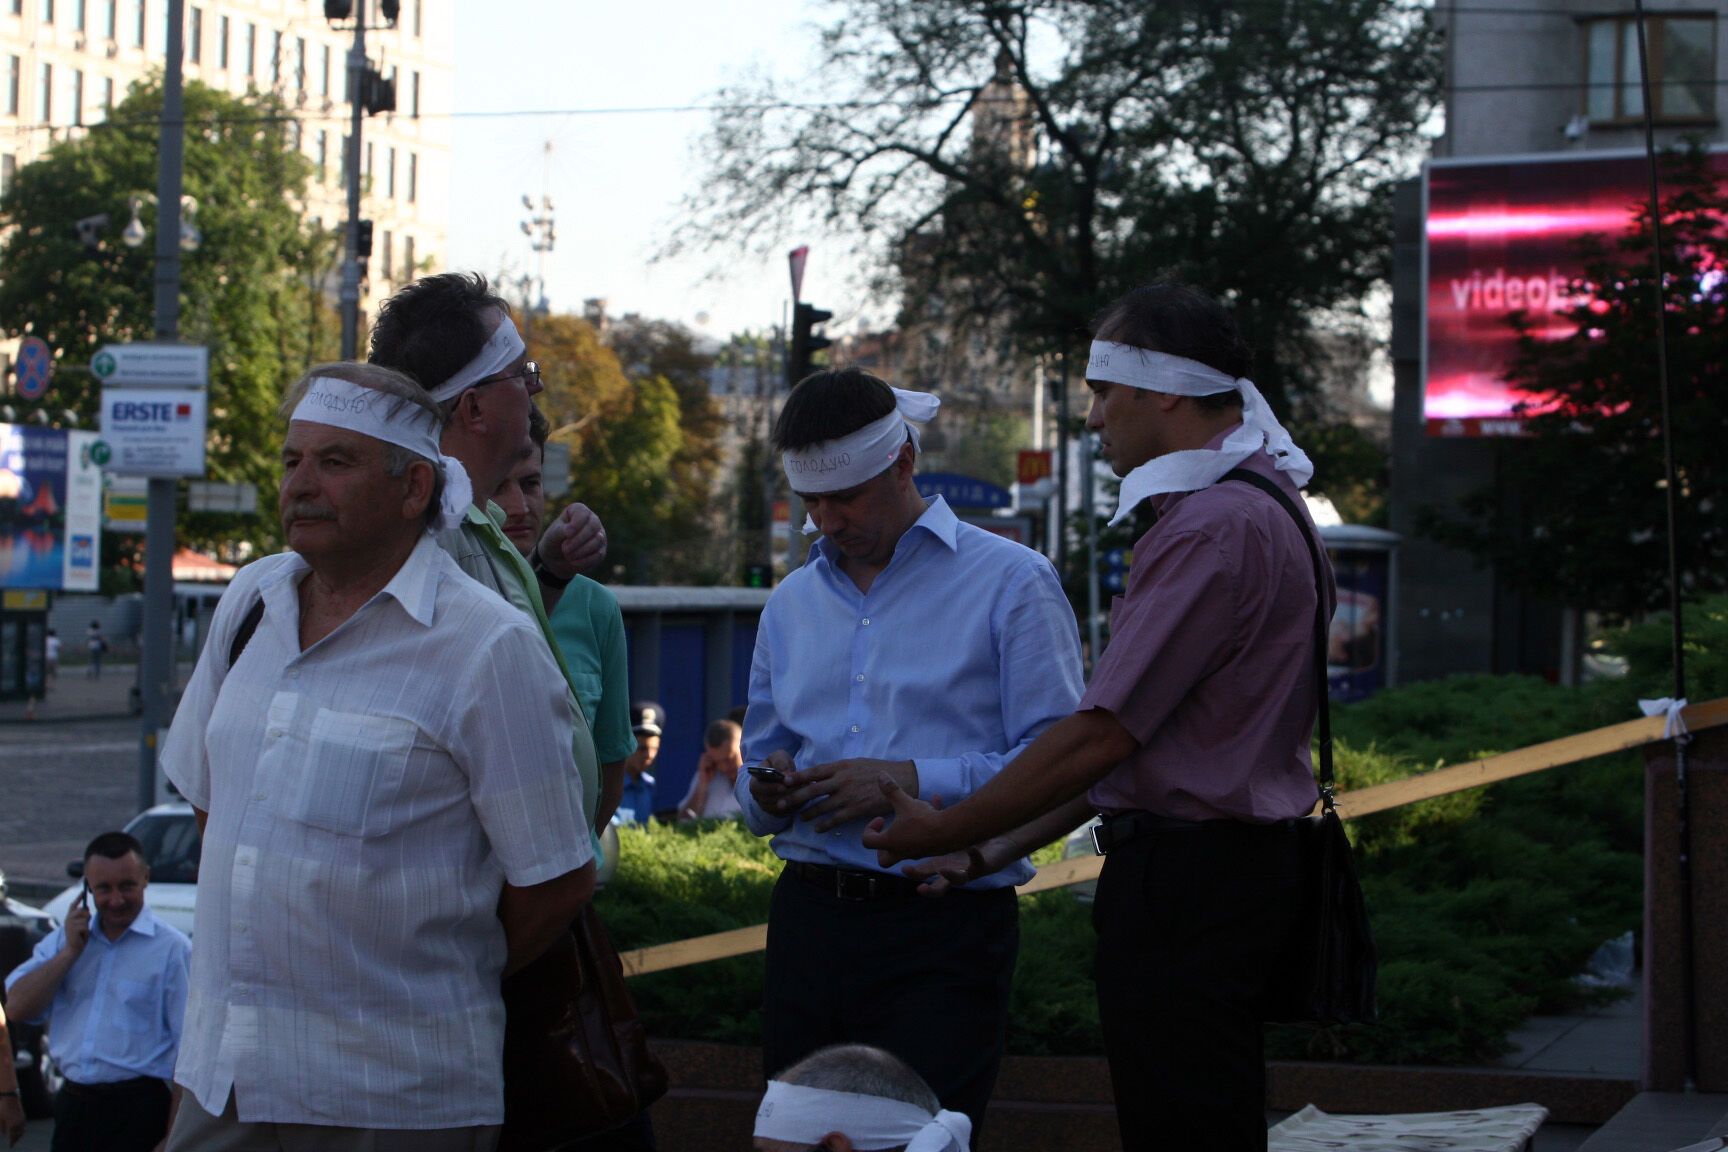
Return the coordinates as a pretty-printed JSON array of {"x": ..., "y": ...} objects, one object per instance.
[
  {"x": 341, "y": 403},
  {"x": 801, "y": 1115},
  {"x": 848, "y": 461},
  {"x": 1195, "y": 468}
]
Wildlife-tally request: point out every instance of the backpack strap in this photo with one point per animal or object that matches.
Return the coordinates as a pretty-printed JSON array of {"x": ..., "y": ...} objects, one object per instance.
[
  {"x": 243, "y": 634},
  {"x": 1327, "y": 783}
]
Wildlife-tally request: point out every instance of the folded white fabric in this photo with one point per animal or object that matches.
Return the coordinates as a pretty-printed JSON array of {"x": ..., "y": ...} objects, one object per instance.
[
  {"x": 1673, "y": 709},
  {"x": 1479, "y": 1130}
]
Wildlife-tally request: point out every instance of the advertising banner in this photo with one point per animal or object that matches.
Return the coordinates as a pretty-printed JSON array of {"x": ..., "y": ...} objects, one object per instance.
[
  {"x": 32, "y": 506},
  {"x": 83, "y": 514},
  {"x": 1502, "y": 237},
  {"x": 154, "y": 431}
]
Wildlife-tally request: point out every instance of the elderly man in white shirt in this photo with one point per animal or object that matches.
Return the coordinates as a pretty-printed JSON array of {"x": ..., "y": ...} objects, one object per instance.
[{"x": 392, "y": 820}]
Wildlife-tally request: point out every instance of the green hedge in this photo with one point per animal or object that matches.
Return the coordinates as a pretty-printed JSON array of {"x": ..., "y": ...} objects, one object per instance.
[{"x": 1485, "y": 903}]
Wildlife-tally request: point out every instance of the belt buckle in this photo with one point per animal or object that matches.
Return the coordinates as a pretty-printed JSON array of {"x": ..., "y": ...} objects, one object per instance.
[{"x": 846, "y": 886}]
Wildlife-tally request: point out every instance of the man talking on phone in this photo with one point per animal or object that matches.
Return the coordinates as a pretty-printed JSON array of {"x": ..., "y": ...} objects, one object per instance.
[
  {"x": 111, "y": 985},
  {"x": 910, "y": 644}
]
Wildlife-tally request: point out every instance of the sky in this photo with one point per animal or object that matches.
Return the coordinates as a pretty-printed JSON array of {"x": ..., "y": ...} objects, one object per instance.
[{"x": 615, "y": 180}]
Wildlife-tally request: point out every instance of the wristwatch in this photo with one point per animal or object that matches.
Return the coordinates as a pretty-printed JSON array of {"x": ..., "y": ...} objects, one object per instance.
[{"x": 544, "y": 574}]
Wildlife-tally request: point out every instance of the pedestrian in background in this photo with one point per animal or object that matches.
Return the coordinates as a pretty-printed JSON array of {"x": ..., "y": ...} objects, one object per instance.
[
  {"x": 111, "y": 984},
  {"x": 96, "y": 645},
  {"x": 710, "y": 795},
  {"x": 647, "y": 722}
]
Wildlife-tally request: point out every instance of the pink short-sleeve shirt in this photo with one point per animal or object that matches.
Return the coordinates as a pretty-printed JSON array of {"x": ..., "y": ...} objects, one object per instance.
[{"x": 1211, "y": 660}]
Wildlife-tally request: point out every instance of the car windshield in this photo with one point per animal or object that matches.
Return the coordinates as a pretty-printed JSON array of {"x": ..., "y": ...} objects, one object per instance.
[{"x": 172, "y": 847}]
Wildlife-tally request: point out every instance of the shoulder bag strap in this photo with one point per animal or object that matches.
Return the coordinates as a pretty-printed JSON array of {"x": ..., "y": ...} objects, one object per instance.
[
  {"x": 1327, "y": 785},
  {"x": 243, "y": 634}
]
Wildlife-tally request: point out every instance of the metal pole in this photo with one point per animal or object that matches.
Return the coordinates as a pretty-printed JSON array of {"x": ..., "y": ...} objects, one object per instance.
[
  {"x": 1061, "y": 493},
  {"x": 1088, "y": 500},
  {"x": 350, "y": 294},
  {"x": 157, "y": 652}
]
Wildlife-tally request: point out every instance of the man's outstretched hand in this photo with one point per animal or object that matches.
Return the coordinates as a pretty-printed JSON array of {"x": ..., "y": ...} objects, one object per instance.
[{"x": 917, "y": 829}]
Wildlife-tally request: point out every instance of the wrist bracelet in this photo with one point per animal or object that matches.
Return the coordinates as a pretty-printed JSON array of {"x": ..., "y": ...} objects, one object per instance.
[
  {"x": 3, "y": 1095},
  {"x": 544, "y": 574}
]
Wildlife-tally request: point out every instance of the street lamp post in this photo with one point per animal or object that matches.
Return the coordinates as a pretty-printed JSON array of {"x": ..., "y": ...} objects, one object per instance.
[{"x": 157, "y": 655}]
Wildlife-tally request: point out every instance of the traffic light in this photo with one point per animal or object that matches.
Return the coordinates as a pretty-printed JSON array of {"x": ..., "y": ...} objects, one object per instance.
[
  {"x": 758, "y": 576},
  {"x": 363, "y": 241},
  {"x": 377, "y": 92},
  {"x": 806, "y": 342},
  {"x": 392, "y": 10},
  {"x": 338, "y": 9}
]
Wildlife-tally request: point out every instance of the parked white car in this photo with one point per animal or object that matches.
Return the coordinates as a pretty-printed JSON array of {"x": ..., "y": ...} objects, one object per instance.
[{"x": 172, "y": 847}]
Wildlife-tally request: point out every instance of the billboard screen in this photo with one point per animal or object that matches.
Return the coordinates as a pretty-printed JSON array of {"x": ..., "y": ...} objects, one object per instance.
[
  {"x": 1501, "y": 236},
  {"x": 50, "y": 502}
]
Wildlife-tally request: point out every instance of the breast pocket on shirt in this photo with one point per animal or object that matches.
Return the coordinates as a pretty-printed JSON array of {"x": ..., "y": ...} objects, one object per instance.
[
  {"x": 345, "y": 778},
  {"x": 137, "y": 1006}
]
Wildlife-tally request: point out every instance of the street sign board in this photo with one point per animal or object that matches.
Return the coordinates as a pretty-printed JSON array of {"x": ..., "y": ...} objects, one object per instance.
[
  {"x": 962, "y": 491},
  {"x": 149, "y": 365},
  {"x": 555, "y": 472},
  {"x": 35, "y": 367},
  {"x": 206, "y": 496},
  {"x": 1034, "y": 465},
  {"x": 157, "y": 432}
]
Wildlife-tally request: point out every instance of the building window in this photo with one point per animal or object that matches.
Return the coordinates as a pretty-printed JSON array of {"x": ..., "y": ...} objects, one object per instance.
[
  {"x": 368, "y": 168},
  {"x": 8, "y": 172},
  {"x": 47, "y": 11},
  {"x": 111, "y": 23},
  {"x": 251, "y": 50},
  {"x": 386, "y": 267},
  {"x": 80, "y": 14},
  {"x": 413, "y": 178},
  {"x": 414, "y": 99},
  {"x": 14, "y": 81},
  {"x": 1682, "y": 68},
  {"x": 390, "y": 176},
  {"x": 45, "y": 94},
  {"x": 275, "y": 58},
  {"x": 407, "y": 257},
  {"x": 322, "y": 159},
  {"x": 107, "y": 94},
  {"x": 300, "y": 63},
  {"x": 324, "y": 71},
  {"x": 16, "y": 7},
  {"x": 417, "y": 15},
  {"x": 78, "y": 96},
  {"x": 296, "y": 135},
  {"x": 143, "y": 21},
  {"x": 195, "y": 37},
  {"x": 342, "y": 161},
  {"x": 222, "y": 29}
]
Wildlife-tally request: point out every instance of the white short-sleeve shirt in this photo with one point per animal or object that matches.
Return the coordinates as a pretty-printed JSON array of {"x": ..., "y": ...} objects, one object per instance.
[{"x": 368, "y": 799}]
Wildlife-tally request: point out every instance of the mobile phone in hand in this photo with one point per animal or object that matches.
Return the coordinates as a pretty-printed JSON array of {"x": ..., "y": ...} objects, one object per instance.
[{"x": 763, "y": 772}]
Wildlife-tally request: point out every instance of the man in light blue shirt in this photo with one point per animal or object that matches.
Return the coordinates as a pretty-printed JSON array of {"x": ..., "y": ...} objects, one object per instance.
[
  {"x": 113, "y": 1000},
  {"x": 914, "y": 646}
]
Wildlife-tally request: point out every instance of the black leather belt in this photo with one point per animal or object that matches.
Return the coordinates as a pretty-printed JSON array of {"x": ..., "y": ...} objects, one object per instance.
[
  {"x": 116, "y": 1087},
  {"x": 848, "y": 884},
  {"x": 1119, "y": 829}
]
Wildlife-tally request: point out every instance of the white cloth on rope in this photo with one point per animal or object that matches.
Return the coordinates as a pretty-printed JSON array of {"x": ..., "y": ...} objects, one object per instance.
[
  {"x": 1673, "y": 710},
  {"x": 801, "y": 1115},
  {"x": 394, "y": 420},
  {"x": 848, "y": 461},
  {"x": 502, "y": 349},
  {"x": 1192, "y": 469}
]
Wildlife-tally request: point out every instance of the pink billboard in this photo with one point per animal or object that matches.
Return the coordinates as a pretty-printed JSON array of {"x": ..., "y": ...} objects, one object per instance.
[{"x": 1502, "y": 237}]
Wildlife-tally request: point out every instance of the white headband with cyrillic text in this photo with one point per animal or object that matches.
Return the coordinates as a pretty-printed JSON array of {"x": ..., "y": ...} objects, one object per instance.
[
  {"x": 394, "y": 420},
  {"x": 1192, "y": 469},
  {"x": 801, "y": 1115},
  {"x": 847, "y": 461},
  {"x": 502, "y": 349}
]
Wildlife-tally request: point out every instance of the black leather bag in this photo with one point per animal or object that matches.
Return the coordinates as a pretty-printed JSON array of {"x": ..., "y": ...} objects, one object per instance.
[
  {"x": 576, "y": 1057},
  {"x": 1330, "y": 969}
]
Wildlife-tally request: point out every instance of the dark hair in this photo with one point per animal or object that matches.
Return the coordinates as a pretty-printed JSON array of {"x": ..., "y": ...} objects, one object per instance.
[
  {"x": 721, "y": 732},
  {"x": 828, "y": 405},
  {"x": 435, "y": 326},
  {"x": 114, "y": 846},
  {"x": 1177, "y": 319},
  {"x": 538, "y": 427}
]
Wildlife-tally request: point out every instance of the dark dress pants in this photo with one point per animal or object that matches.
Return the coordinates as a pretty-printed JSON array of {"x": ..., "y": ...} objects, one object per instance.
[
  {"x": 924, "y": 978},
  {"x": 1190, "y": 925},
  {"x": 127, "y": 1117}
]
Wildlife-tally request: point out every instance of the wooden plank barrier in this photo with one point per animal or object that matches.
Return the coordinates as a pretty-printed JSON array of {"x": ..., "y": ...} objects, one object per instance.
[{"x": 1361, "y": 802}]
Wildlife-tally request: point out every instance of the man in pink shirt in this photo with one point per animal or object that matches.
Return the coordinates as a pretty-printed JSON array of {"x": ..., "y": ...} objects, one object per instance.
[{"x": 1192, "y": 738}]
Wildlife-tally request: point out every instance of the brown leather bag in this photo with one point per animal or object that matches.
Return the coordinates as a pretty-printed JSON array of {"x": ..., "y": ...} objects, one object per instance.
[{"x": 576, "y": 1058}]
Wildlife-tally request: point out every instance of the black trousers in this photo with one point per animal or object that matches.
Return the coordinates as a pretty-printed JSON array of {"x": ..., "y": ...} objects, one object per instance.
[
  {"x": 925, "y": 978},
  {"x": 131, "y": 1116},
  {"x": 1190, "y": 924}
]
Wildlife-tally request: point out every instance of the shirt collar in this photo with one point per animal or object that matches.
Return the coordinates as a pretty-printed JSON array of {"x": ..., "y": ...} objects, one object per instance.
[
  {"x": 144, "y": 924},
  {"x": 414, "y": 586},
  {"x": 938, "y": 520}
]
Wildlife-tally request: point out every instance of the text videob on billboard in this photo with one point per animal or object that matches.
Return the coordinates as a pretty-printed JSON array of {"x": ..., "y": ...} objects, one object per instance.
[{"x": 1502, "y": 237}]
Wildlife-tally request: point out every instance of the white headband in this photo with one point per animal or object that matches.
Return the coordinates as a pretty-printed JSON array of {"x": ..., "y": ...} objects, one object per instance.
[
  {"x": 802, "y": 1115},
  {"x": 502, "y": 349},
  {"x": 1195, "y": 468},
  {"x": 343, "y": 404},
  {"x": 847, "y": 461}
]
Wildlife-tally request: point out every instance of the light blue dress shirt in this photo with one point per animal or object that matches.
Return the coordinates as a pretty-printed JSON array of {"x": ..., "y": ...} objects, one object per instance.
[
  {"x": 118, "y": 1013},
  {"x": 962, "y": 652}
]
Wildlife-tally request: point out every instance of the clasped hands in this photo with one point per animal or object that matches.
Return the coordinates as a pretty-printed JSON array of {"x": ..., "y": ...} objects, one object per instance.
[{"x": 845, "y": 790}]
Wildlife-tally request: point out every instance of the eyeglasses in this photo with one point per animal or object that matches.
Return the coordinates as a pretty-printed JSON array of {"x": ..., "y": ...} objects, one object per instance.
[{"x": 529, "y": 375}]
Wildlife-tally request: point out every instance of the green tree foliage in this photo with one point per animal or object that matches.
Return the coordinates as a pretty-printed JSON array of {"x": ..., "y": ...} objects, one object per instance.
[
  {"x": 1589, "y": 527},
  {"x": 249, "y": 291},
  {"x": 624, "y": 435},
  {"x": 1045, "y": 155}
]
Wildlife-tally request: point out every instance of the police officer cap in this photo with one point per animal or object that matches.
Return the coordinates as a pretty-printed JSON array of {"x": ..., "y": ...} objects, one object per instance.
[{"x": 646, "y": 717}]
